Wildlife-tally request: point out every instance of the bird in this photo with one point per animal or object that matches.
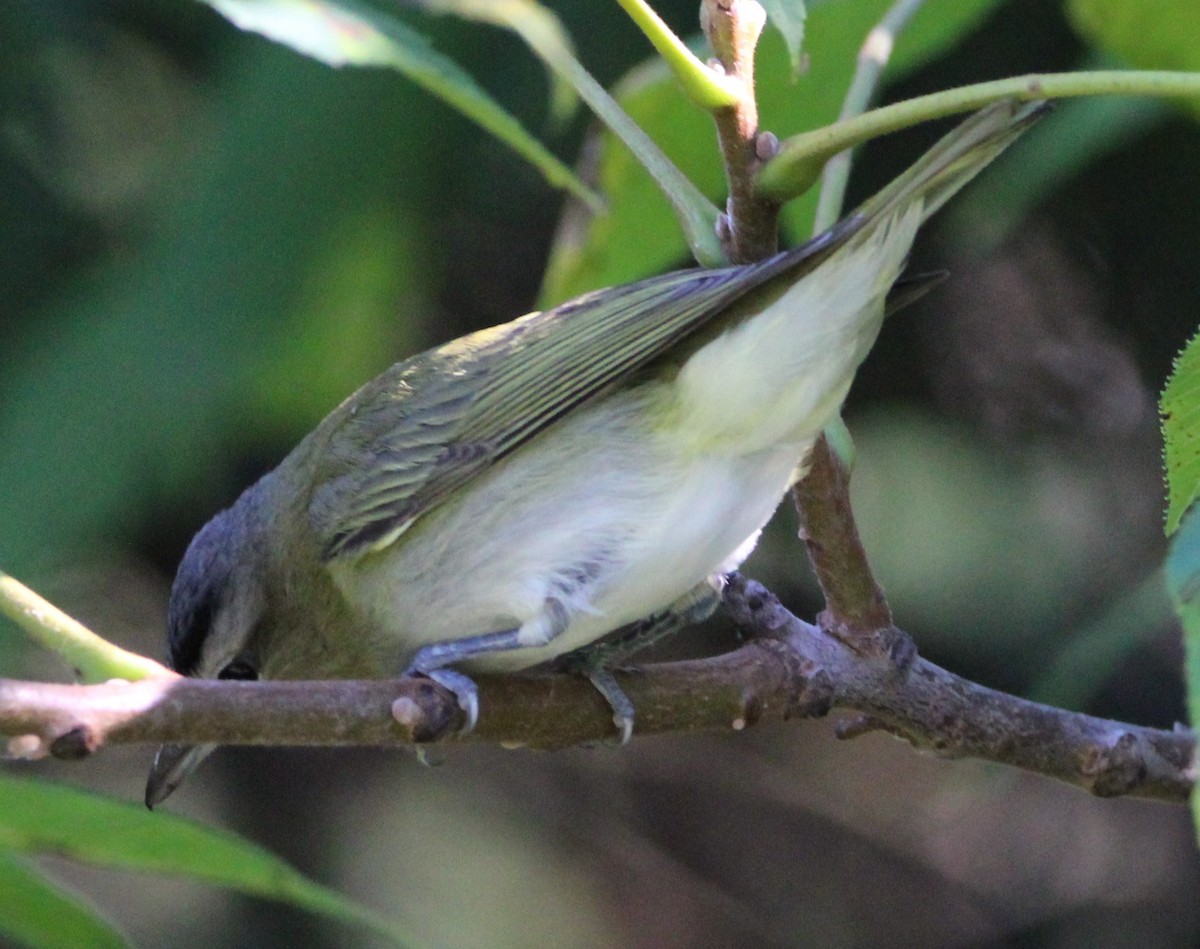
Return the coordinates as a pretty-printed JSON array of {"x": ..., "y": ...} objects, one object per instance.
[{"x": 519, "y": 493}]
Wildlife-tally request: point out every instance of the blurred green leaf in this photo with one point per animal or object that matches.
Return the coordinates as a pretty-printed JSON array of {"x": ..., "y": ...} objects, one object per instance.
[
  {"x": 341, "y": 33},
  {"x": 1076, "y": 133},
  {"x": 637, "y": 236},
  {"x": 123, "y": 386},
  {"x": 39, "y": 817},
  {"x": 1094, "y": 653},
  {"x": 540, "y": 30},
  {"x": 1164, "y": 34},
  {"x": 1180, "y": 410},
  {"x": 37, "y": 913},
  {"x": 788, "y": 16},
  {"x": 1183, "y": 583},
  {"x": 345, "y": 328}
]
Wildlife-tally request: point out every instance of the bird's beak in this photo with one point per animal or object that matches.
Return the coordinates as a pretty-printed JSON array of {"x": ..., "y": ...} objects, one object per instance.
[{"x": 171, "y": 765}]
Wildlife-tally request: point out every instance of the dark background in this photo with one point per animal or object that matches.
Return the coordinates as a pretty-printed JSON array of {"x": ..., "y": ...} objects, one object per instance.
[{"x": 208, "y": 241}]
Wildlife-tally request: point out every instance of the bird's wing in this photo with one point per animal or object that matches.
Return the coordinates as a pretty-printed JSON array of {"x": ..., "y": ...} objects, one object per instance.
[{"x": 408, "y": 439}]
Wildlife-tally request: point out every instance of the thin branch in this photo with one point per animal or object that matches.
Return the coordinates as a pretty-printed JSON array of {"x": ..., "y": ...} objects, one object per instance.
[
  {"x": 706, "y": 87},
  {"x": 93, "y": 658},
  {"x": 856, "y": 610},
  {"x": 789, "y": 670},
  {"x": 733, "y": 28},
  {"x": 935, "y": 710},
  {"x": 801, "y": 157}
]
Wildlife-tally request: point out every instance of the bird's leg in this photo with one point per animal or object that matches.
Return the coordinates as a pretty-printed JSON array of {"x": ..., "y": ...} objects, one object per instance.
[
  {"x": 596, "y": 660},
  {"x": 432, "y": 661}
]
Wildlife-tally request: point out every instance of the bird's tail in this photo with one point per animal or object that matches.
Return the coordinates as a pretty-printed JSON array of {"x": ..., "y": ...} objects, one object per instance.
[
  {"x": 792, "y": 346},
  {"x": 954, "y": 160}
]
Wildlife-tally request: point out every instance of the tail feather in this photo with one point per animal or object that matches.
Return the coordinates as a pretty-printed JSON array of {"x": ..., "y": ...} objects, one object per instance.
[
  {"x": 954, "y": 160},
  {"x": 780, "y": 369}
]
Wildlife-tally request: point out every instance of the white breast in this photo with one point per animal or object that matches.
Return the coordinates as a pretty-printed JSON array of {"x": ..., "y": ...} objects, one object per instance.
[{"x": 604, "y": 512}]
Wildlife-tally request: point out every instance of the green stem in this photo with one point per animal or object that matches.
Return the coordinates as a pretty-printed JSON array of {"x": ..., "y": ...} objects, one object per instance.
[
  {"x": 94, "y": 659},
  {"x": 872, "y": 58},
  {"x": 705, "y": 87},
  {"x": 802, "y": 157}
]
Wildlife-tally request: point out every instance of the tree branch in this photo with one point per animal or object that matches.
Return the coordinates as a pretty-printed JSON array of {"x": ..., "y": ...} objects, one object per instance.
[
  {"x": 790, "y": 669},
  {"x": 750, "y": 226},
  {"x": 856, "y": 610}
]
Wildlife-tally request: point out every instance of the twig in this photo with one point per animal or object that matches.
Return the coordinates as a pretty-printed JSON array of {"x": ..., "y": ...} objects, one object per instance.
[
  {"x": 733, "y": 28},
  {"x": 802, "y": 156},
  {"x": 93, "y": 658},
  {"x": 856, "y": 610}
]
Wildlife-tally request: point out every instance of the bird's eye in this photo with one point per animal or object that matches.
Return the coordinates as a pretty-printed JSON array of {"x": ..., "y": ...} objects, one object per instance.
[{"x": 240, "y": 669}]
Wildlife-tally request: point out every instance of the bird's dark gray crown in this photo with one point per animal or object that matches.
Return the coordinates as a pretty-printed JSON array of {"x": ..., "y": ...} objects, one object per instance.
[{"x": 198, "y": 592}]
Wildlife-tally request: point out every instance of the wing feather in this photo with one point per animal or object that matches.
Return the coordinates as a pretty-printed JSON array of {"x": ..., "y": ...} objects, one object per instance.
[{"x": 410, "y": 438}]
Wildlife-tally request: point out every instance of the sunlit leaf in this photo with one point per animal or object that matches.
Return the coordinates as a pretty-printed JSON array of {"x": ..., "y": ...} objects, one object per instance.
[
  {"x": 37, "y": 913},
  {"x": 39, "y": 817},
  {"x": 1180, "y": 408},
  {"x": 525, "y": 16},
  {"x": 343, "y": 33},
  {"x": 1164, "y": 34}
]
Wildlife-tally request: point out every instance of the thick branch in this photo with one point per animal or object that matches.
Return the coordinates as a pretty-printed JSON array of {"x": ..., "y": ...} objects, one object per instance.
[
  {"x": 789, "y": 670},
  {"x": 935, "y": 710}
]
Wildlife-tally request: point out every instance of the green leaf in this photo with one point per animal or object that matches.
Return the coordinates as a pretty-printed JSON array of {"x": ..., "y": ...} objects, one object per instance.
[
  {"x": 1180, "y": 410},
  {"x": 39, "y": 817},
  {"x": 637, "y": 236},
  {"x": 35, "y": 912},
  {"x": 1183, "y": 584},
  {"x": 1164, "y": 34},
  {"x": 788, "y": 16},
  {"x": 539, "y": 29},
  {"x": 343, "y": 33}
]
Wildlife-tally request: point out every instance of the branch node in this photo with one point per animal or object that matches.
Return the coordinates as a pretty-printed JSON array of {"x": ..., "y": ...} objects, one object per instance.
[
  {"x": 1114, "y": 770},
  {"x": 755, "y": 609},
  {"x": 857, "y": 726},
  {"x": 80, "y": 742},
  {"x": 26, "y": 748},
  {"x": 814, "y": 697},
  {"x": 766, "y": 146}
]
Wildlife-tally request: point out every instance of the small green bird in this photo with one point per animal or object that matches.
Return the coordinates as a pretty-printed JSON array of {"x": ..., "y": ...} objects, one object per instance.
[{"x": 523, "y": 491}]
